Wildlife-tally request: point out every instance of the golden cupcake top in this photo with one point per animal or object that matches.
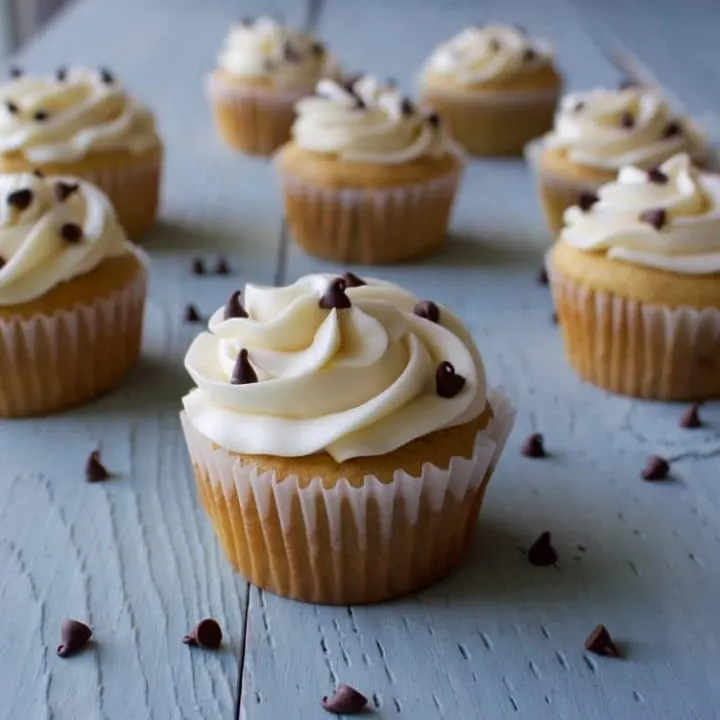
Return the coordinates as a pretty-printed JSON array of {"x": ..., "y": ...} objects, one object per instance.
[
  {"x": 265, "y": 49},
  {"x": 64, "y": 117},
  {"x": 632, "y": 125},
  {"x": 367, "y": 121},
  {"x": 52, "y": 230},
  {"x": 666, "y": 218},
  {"x": 349, "y": 366}
]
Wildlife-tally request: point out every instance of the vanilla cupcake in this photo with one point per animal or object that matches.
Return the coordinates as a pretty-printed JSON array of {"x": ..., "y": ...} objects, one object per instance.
[
  {"x": 72, "y": 291},
  {"x": 367, "y": 177},
  {"x": 263, "y": 70},
  {"x": 342, "y": 436},
  {"x": 598, "y": 132},
  {"x": 636, "y": 281},
  {"x": 82, "y": 123},
  {"x": 495, "y": 87}
]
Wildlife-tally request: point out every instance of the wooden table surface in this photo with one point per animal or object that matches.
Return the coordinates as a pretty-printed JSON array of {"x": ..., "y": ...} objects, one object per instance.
[{"x": 500, "y": 639}]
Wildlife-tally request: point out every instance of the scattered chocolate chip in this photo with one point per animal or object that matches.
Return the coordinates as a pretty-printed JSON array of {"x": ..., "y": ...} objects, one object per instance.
[
  {"x": 106, "y": 76},
  {"x": 64, "y": 190},
  {"x": 627, "y": 120},
  {"x": 657, "y": 218},
  {"x": 586, "y": 200},
  {"x": 656, "y": 175},
  {"x": 38, "y": 173},
  {"x": 542, "y": 276},
  {"x": 11, "y": 107},
  {"x": 626, "y": 84},
  {"x": 40, "y": 115},
  {"x": 359, "y": 103},
  {"x": 555, "y": 319},
  {"x": 3, "y": 262},
  {"x": 335, "y": 297},
  {"x": 95, "y": 471},
  {"x": 672, "y": 129},
  {"x": 407, "y": 107},
  {"x": 352, "y": 280},
  {"x": 70, "y": 232},
  {"x": 433, "y": 119},
  {"x": 234, "y": 307},
  {"x": 690, "y": 419},
  {"x": 534, "y": 446},
  {"x": 494, "y": 44},
  {"x": 74, "y": 635},
  {"x": 657, "y": 468},
  {"x": 579, "y": 106},
  {"x": 348, "y": 83},
  {"x": 222, "y": 267},
  {"x": 529, "y": 55},
  {"x": 198, "y": 266},
  {"x": 600, "y": 643},
  {"x": 447, "y": 382},
  {"x": 317, "y": 49},
  {"x": 290, "y": 54},
  {"x": 541, "y": 552},
  {"x": 191, "y": 314},
  {"x": 427, "y": 309},
  {"x": 207, "y": 634},
  {"x": 243, "y": 372},
  {"x": 61, "y": 73},
  {"x": 20, "y": 199},
  {"x": 16, "y": 72},
  {"x": 345, "y": 700}
]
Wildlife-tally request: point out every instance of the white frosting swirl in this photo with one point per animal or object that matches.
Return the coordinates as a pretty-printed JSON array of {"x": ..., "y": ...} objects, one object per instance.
[
  {"x": 35, "y": 256},
  {"x": 263, "y": 48},
  {"x": 477, "y": 55},
  {"x": 688, "y": 240},
  {"x": 368, "y": 122},
  {"x": 610, "y": 129},
  {"x": 353, "y": 382},
  {"x": 48, "y": 119}
]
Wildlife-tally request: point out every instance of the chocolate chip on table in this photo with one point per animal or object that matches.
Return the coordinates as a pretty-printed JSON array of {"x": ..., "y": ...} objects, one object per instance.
[
  {"x": 542, "y": 276},
  {"x": 600, "y": 643},
  {"x": 243, "y": 372},
  {"x": 657, "y": 468},
  {"x": 657, "y": 176},
  {"x": 541, "y": 552},
  {"x": 345, "y": 700},
  {"x": 11, "y": 107},
  {"x": 448, "y": 383},
  {"x": 70, "y": 232},
  {"x": 40, "y": 115},
  {"x": 74, "y": 635},
  {"x": 95, "y": 471},
  {"x": 106, "y": 76},
  {"x": 335, "y": 297},
  {"x": 690, "y": 418},
  {"x": 61, "y": 73},
  {"x": 672, "y": 129},
  {"x": 16, "y": 72},
  {"x": 656, "y": 217},
  {"x": 64, "y": 190},
  {"x": 352, "y": 280},
  {"x": 534, "y": 446},
  {"x": 191, "y": 314},
  {"x": 207, "y": 634},
  {"x": 586, "y": 200},
  {"x": 20, "y": 199},
  {"x": 427, "y": 309},
  {"x": 198, "y": 266},
  {"x": 627, "y": 120},
  {"x": 234, "y": 307},
  {"x": 222, "y": 267}
]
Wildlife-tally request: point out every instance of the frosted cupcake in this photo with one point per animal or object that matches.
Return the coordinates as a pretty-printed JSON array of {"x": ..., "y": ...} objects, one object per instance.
[
  {"x": 81, "y": 122},
  {"x": 263, "y": 70},
  {"x": 342, "y": 436},
  {"x": 494, "y": 86},
  {"x": 598, "y": 132},
  {"x": 72, "y": 290},
  {"x": 367, "y": 177},
  {"x": 636, "y": 281}
]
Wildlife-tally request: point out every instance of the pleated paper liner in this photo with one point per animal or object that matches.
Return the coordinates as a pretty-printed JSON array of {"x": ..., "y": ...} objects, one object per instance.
[
  {"x": 638, "y": 349},
  {"x": 56, "y": 361},
  {"x": 370, "y": 226},
  {"x": 344, "y": 544}
]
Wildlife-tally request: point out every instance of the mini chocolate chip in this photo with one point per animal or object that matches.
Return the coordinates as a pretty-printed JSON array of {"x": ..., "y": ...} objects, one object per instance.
[
  {"x": 20, "y": 199},
  {"x": 541, "y": 552},
  {"x": 349, "y": 81},
  {"x": 626, "y": 84},
  {"x": 74, "y": 636},
  {"x": 222, "y": 267},
  {"x": 447, "y": 382},
  {"x": 290, "y": 53},
  {"x": 579, "y": 105},
  {"x": 690, "y": 419},
  {"x": 40, "y": 115},
  {"x": 61, "y": 73},
  {"x": 529, "y": 55},
  {"x": 191, "y": 314},
  {"x": 352, "y": 280},
  {"x": 38, "y": 173},
  {"x": 427, "y": 309},
  {"x": 207, "y": 634},
  {"x": 345, "y": 700},
  {"x": 494, "y": 44},
  {"x": 586, "y": 200},
  {"x": 198, "y": 266},
  {"x": 627, "y": 120},
  {"x": 542, "y": 276},
  {"x": 534, "y": 446},
  {"x": 11, "y": 107},
  {"x": 407, "y": 107},
  {"x": 555, "y": 319},
  {"x": 16, "y": 72},
  {"x": 95, "y": 471},
  {"x": 335, "y": 297},
  {"x": 657, "y": 468},
  {"x": 243, "y": 372},
  {"x": 359, "y": 103},
  {"x": 106, "y": 76},
  {"x": 600, "y": 643},
  {"x": 64, "y": 190},
  {"x": 317, "y": 49},
  {"x": 656, "y": 175},
  {"x": 70, "y": 232},
  {"x": 657, "y": 218},
  {"x": 433, "y": 119},
  {"x": 234, "y": 307},
  {"x": 3, "y": 262},
  {"x": 672, "y": 129}
]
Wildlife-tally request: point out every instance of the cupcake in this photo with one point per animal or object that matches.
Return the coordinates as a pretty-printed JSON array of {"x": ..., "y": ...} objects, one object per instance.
[
  {"x": 636, "y": 280},
  {"x": 342, "y": 436},
  {"x": 367, "y": 177},
  {"x": 598, "y": 132},
  {"x": 82, "y": 123},
  {"x": 72, "y": 290},
  {"x": 263, "y": 70},
  {"x": 495, "y": 87}
]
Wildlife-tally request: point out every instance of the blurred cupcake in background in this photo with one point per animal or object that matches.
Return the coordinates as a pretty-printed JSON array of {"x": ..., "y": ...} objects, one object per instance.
[
  {"x": 367, "y": 176},
  {"x": 598, "y": 132},
  {"x": 494, "y": 86},
  {"x": 263, "y": 69},
  {"x": 81, "y": 122}
]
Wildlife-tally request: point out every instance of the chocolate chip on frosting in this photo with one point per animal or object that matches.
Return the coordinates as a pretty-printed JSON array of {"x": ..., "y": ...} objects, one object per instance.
[
  {"x": 447, "y": 382},
  {"x": 352, "y": 280},
  {"x": 61, "y": 73},
  {"x": 74, "y": 635},
  {"x": 16, "y": 72},
  {"x": 207, "y": 634},
  {"x": 657, "y": 468},
  {"x": 541, "y": 552},
  {"x": 40, "y": 115},
  {"x": 586, "y": 200},
  {"x": 95, "y": 471},
  {"x": 20, "y": 199},
  {"x": 494, "y": 44},
  {"x": 529, "y": 55},
  {"x": 627, "y": 120},
  {"x": 427, "y": 309},
  {"x": 345, "y": 700},
  {"x": 70, "y": 232},
  {"x": 11, "y": 107},
  {"x": 690, "y": 419},
  {"x": 106, "y": 76},
  {"x": 433, "y": 119},
  {"x": 657, "y": 176},
  {"x": 672, "y": 129},
  {"x": 335, "y": 297},
  {"x": 290, "y": 54},
  {"x": 579, "y": 106},
  {"x": 600, "y": 643},
  {"x": 317, "y": 49},
  {"x": 234, "y": 307},
  {"x": 64, "y": 190},
  {"x": 3, "y": 262},
  {"x": 243, "y": 372},
  {"x": 656, "y": 217}
]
